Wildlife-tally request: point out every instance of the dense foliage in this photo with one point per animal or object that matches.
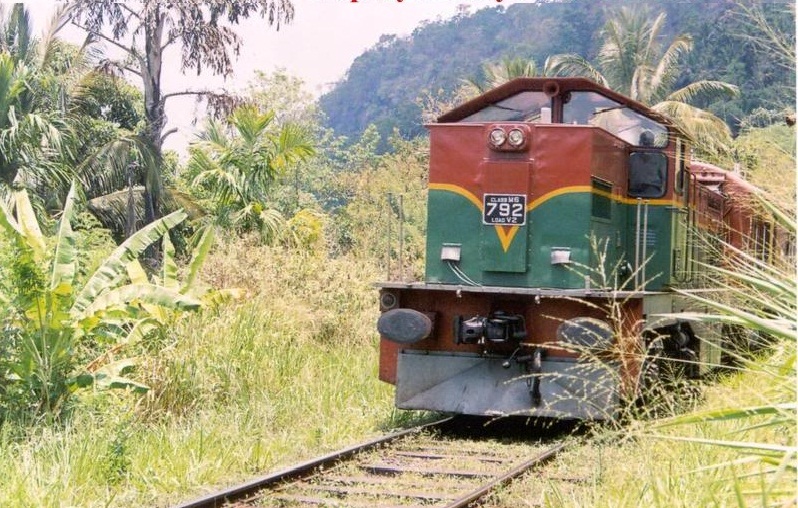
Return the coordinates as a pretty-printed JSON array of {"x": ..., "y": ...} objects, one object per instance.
[
  {"x": 633, "y": 59},
  {"x": 204, "y": 32},
  {"x": 234, "y": 170},
  {"x": 383, "y": 84},
  {"x": 62, "y": 331}
]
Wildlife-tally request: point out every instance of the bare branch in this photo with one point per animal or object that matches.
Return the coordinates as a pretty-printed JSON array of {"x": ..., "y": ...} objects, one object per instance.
[
  {"x": 104, "y": 37},
  {"x": 220, "y": 104},
  {"x": 115, "y": 68},
  {"x": 186, "y": 92},
  {"x": 170, "y": 39},
  {"x": 168, "y": 133},
  {"x": 130, "y": 11}
]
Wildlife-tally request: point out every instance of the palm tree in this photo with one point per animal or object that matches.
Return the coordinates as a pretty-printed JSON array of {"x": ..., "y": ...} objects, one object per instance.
[
  {"x": 632, "y": 61},
  {"x": 507, "y": 69},
  {"x": 144, "y": 31},
  {"x": 65, "y": 117},
  {"x": 237, "y": 166},
  {"x": 45, "y": 84},
  {"x": 30, "y": 134}
]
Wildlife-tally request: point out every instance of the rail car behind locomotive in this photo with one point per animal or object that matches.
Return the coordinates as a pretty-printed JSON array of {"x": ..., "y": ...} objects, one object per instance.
[{"x": 560, "y": 217}]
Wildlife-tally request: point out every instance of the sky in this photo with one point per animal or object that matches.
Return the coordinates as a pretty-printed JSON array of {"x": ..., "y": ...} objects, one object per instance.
[{"x": 318, "y": 46}]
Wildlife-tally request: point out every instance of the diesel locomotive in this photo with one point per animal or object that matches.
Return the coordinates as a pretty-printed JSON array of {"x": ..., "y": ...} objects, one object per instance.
[{"x": 561, "y": 216}]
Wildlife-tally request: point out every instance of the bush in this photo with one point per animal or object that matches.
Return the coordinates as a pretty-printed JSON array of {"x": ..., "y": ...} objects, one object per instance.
[{"x": 62, "y": 333}]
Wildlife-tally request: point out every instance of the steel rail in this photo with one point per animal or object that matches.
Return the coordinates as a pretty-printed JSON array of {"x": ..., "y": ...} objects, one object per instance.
[
  {"x": 470, "y": 498},
  {"x": 238, "y": 492}
]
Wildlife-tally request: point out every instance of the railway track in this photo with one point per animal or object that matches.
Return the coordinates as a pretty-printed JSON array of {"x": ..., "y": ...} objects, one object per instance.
[{"x": 427, "y": 466}]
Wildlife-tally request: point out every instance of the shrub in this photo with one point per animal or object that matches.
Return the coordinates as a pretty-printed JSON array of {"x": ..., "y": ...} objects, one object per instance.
[{"x": 60, "y": 335}]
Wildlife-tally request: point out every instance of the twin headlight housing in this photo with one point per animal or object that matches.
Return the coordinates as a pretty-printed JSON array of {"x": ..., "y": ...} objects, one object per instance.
[{"x": 508, "y": 138}]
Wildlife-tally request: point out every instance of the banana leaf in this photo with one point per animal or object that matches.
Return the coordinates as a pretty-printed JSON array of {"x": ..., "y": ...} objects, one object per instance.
[{"x": 113, "y": 270}]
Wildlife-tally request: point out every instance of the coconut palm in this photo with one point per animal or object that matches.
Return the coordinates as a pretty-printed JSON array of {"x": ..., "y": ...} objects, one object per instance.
[
  {"x": 30, "y": 136},
  {"x": 235, "y": 167},
  {"x": 49, "y": 91},
  {"x": 507, "y": 69},
  {"x": 40, "y": 80},
  {"x": 632, "y": 61},
  {"x": 144, "y": 31}
]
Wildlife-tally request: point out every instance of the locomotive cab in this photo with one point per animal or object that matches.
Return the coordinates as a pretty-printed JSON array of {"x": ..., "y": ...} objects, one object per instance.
[
  {"x": 555, "y": 228},
  {"x": 525, "y": 179}
]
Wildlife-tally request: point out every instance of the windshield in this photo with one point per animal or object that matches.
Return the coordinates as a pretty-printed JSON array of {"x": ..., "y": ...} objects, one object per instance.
[
  {"x": 521, "y": 107},
  {"x": 591, "y": 108}
]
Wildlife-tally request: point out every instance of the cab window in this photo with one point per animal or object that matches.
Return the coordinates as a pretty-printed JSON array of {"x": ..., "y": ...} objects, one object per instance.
[
  {"x": 521, "y": 107},
  {"x": 647, "y": 174},
  {"x": 678, "y": 184},
  {"x": 591, "y": 108}
]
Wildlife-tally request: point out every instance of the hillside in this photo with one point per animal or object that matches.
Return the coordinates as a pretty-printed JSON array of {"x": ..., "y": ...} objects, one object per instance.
[{"x": 384, "y": 84}]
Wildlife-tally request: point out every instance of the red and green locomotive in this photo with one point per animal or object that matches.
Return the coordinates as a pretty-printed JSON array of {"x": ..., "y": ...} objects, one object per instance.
[{"x": 560, "y": 217}]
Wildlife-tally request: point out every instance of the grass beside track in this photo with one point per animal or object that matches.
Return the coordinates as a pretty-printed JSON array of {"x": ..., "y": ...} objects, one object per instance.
[
  {"x": 284, "y": 373},
  {"x": 290, "y": 371},
  {"x": 651, "y": 463}
]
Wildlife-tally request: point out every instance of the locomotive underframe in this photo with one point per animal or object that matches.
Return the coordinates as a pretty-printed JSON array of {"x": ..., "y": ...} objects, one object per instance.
[
  {"x": 468, "y": 383},
  {"x": 538, "y": 375}
]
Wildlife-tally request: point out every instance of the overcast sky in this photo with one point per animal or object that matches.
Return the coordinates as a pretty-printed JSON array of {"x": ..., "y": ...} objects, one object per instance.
[{"x": 319, "y": 46}]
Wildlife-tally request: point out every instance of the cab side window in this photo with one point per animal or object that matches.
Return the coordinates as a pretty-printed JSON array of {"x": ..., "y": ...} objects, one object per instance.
[
  {"x": 591, "y": 108},
  {"x": 647, "y": 174}
]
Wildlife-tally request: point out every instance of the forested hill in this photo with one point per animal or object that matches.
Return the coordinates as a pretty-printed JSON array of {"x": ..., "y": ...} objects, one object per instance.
[{"x": 383, "y": 85}]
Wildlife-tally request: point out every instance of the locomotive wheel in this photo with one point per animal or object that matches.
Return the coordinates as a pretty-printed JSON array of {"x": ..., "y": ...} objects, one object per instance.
[
  {"x": 680, "y": 360},
  {"x": 739, "y": 345},
  {"x": 649, "y": 385},
  {"x": 664, "y": 389},
  {"x": 667, "y": 375}
]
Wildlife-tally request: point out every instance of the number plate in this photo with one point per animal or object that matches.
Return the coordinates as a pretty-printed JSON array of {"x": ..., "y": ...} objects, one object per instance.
[{"x": 504, "y": 209}]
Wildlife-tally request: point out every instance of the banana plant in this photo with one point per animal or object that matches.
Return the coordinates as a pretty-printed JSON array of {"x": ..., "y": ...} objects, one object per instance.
[
  {"x": 51, "y": 317},
  {"x": 161, "y": 317}
]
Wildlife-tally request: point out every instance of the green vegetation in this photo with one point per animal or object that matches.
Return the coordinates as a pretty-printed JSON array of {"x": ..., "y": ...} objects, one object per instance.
[
  {"x": 206, "y": 36},
  {"x": 59, "y": 332},
  {"x": 631, "y": 61},
  {"x": 283, "y": 374},
  {"x": 235, "y": 172},
  {"x": 248, "y": 384},
  {"x": 384, "y": 84},
  {"x": 731, "y": 452},
  {"x": 736, "y": 446},
  {"x": 495, "y": 74},
  {"x": 277, "y": 359}
]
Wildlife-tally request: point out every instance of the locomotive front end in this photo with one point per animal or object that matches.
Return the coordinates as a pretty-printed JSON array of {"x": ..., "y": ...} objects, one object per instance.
[{"x": 548, "y": 201}]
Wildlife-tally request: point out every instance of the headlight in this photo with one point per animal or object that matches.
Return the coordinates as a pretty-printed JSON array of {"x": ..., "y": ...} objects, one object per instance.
[
  {"x": 510, "y": 137},
  {"x": 516, "y": 137},
  {"x": 388, "y": 301},
  {"x": 497, "y": 137}
]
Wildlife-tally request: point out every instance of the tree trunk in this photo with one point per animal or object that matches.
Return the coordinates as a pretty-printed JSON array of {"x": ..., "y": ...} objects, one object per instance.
[{"x": 153, "y": 110}]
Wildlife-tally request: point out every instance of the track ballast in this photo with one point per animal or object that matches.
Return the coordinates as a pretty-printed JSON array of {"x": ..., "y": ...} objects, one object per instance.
[{"x": 427, "y": 466}]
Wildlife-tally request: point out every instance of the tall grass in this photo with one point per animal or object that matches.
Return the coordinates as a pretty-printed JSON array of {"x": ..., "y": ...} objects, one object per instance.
[
  {"x": 692, "y": 460},
  {"x": 285, "y": 372},
  {"x": 738, "y": 448},
  {"x": 761, "y": 296}
]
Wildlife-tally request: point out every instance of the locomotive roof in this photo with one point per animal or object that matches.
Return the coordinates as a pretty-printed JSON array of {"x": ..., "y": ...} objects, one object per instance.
[{"x": 540, "y": 85}]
